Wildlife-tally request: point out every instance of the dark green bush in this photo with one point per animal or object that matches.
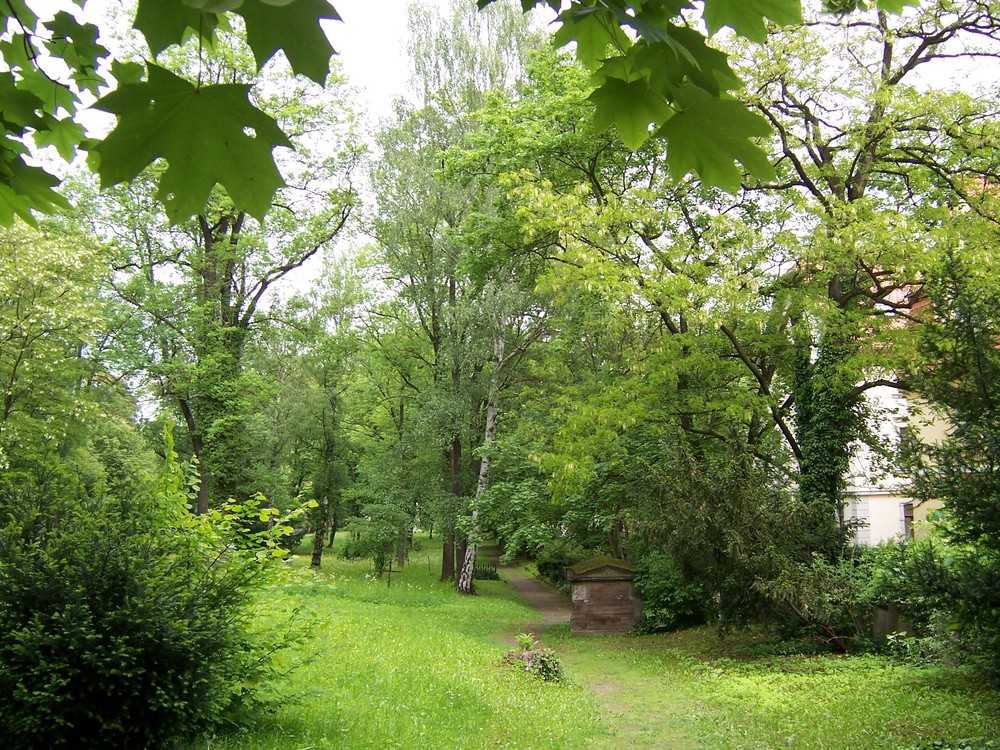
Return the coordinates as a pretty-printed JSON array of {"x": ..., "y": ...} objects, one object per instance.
[
  {"x": 125, "y": 622},
  {"x": 552, "y": 562},
  {"x": 353, "y": 549},
  {"x": 670, "y": 601},
  {"x": 914, "y": 575},
  {"x": 831, "y": 598},
  {"x": 947, "y": 595}
]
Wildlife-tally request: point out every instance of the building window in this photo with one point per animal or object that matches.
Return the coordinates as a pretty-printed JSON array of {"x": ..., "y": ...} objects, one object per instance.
[{"x": 906, "y": 511}]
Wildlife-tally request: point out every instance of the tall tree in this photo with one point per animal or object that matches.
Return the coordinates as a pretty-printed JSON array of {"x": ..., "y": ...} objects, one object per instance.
[
  {"x": 853, "y": 157},
  {"x": 794, "y": 280},
  {"x": 515, "y": 322},
  {"x": 50, "y": 320},
  {"x": 959, "y": 375},
  {"x": 199, "y": 290},
  {"x": 422, "y": 249}
]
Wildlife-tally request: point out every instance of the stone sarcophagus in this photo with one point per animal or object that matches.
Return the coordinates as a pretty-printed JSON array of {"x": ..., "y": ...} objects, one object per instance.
[{"x": 604, "y": 597}]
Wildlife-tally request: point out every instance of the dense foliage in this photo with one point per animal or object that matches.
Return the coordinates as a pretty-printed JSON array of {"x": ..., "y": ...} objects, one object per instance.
[
  {"x": 125, "y": 620},
  {"x": 963, "y": 380},
  {"x": 664, "y": 73}
]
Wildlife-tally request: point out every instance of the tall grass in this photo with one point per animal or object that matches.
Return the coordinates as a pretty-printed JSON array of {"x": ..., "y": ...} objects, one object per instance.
[
  {"x": 411, "y": 665},
  {"x": 414, "y": 665}
]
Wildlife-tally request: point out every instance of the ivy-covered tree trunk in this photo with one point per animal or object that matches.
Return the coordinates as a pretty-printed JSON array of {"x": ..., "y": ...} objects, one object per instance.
[
  {"x": 198, "y": 446},
  {"x": 827, "y": 421},
  {"x": 320, "y": 521}
]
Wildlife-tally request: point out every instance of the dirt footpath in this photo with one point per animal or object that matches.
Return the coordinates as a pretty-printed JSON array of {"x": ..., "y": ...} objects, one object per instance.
[
  {"x": 553, "y": 607},
  {"x": 639, "y": 711}
]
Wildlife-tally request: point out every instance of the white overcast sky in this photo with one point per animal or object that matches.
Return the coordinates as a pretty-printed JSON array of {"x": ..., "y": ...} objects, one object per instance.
[
  {"x": 371, "y": 42},
  {"x": 371, "y": 46}
]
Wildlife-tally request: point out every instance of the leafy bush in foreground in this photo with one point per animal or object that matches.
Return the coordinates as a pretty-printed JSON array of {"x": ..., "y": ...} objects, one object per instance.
[{"x": 124, "y": 621}]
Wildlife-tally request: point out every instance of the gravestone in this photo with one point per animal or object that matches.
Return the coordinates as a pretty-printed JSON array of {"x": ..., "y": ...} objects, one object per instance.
[{"x": 604, "y": 597}]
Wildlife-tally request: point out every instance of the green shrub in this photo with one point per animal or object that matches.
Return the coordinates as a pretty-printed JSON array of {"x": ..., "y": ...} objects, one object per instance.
[
  {"x": 486, "y": 571},
  {"x": 547, "y": 666},
  {"x": 831, "y": 598},
  {"x": 915, "y": 576},
  {"x": 552, "y": 562},
  {"x": 946, "y": 593},
  {"x": 378, "y": 533},
  {"x": 670, "y": 601},
  {"x": 353, "y": 549},
  {"x": 126, "y": 621}
]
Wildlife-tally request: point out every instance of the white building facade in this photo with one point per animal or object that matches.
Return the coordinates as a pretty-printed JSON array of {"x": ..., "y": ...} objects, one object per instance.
[{"x": 878, "y": 501}]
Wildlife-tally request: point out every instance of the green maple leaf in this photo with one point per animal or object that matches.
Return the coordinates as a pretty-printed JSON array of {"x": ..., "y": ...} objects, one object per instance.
[
  {"x": 293, "y": 27},
  {"x": 18, "y": 109},
  {"x": 209, "y": 135},
  {"x": 15, "y": 53},
  {"x": 594, "y": 29},
  {"x": 127, "y": 72},
  {"x": 652, "y": 21},
  {"x": 54, "y": 95},
  {"x": 65, "y": 135},
  {"x": 708, "y": 135},
  {"x": 746, "y": 17},
  {"x": 166, "y": 22},
  {"x": 661, "y": 12},
  {"x": 25, "y": 189},
  {"x": 705, "y": 66},
  {"x": 76, "y": 43},
  {"x": 631, "y": 106}
]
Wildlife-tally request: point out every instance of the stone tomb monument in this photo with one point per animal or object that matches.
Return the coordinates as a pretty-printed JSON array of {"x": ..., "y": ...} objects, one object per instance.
[{"x": 604, "y": 597}]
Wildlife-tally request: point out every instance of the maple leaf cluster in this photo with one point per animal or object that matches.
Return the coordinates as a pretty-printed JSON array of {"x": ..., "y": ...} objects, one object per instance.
[{"x": 653, "y": 76}]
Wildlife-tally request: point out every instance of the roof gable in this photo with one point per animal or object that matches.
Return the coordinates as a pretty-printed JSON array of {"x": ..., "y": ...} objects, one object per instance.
[{"x": 603, "y": 567}]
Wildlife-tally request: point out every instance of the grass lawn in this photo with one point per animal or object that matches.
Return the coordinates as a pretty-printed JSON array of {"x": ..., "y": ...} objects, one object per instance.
[
  {"x": 416, "y": 666},
  {"x": 692, "y": 690},
  {"x": 411, "y": 666}
]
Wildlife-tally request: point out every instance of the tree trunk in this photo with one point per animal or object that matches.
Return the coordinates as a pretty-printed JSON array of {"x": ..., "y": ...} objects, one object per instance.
[
  {"x": 827, "y": 422},
  {"x": 461, "y": 547},
  {"x": 320, "y": 520},
  {"x": 466, "y": 575},
  {"x": 454, "y": 455},
  {"x": 401, "y": 552},
  {"x": 448, "y": 557},
  {"x": 198, "y": 445}
]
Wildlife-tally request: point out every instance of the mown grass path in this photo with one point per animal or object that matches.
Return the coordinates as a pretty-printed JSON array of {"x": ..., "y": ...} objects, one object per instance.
[
  {"x": 693, "y": 689},
  {"x": 638, "y": 709}
]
